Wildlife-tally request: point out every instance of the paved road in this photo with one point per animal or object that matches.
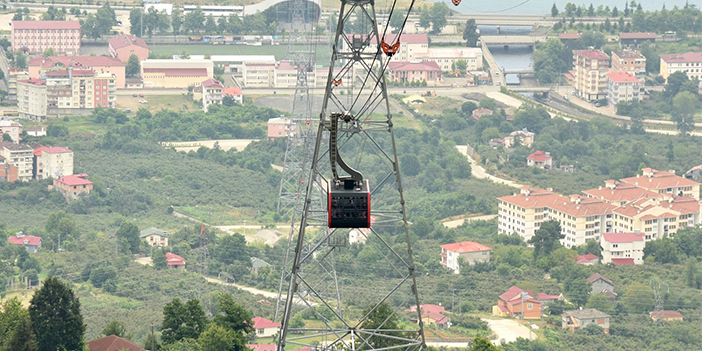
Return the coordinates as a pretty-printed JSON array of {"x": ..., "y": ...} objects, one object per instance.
[
  {"x": 479, "y": 172},
  {"x": 508, "y": 330}
]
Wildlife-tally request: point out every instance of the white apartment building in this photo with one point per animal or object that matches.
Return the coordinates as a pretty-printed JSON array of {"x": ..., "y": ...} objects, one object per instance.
[
  {"x": 622, "y": 87},
  {"x": 56, "y": 162},
  {"x": 211, "y": 93},
  {"x": 20, "y": 156},
  {"x": 31, "y": 99},
  {"x": 446, "y": 57},
  {"x": 467, "y": 251},
  {"x": 622, "y": 248},
  {"x": 589, "y": 70},
  {"x": 690, "y": 63},
  {"x": 665, "y": 182}
]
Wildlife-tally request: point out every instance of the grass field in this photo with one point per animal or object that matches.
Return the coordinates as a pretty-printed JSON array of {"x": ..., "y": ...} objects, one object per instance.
[{"x": 156, "y": 103}]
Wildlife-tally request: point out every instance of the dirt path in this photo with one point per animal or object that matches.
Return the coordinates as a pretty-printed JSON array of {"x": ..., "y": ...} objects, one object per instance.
[
  {"x": 479, "y": 172},
  {"x": 457, "y": 222},
  {"x": 224, "y": 144},
  {"x": 508, "y": 330},
  {"x": 264, "y": 293}
]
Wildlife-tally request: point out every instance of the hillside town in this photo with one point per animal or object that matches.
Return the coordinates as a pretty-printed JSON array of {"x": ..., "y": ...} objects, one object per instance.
[{"x": 295, "y": 175}]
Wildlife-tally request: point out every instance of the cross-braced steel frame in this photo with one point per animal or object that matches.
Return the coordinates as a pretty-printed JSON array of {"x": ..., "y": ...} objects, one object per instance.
[{"x": 367, "y": 141}]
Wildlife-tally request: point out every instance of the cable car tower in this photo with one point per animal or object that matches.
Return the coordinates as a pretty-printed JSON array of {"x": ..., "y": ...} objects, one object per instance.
[{"x": 354, "y": 166}]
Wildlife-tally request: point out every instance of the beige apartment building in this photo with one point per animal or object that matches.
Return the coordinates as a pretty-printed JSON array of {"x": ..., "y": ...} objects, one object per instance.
[
  {"x": 446, "y": 57},
  {"x": 623, "y": 248},
  {"x": 630, "y": 61},
  {"x": 55, "y": 162},
  {"x": 657, "y": 218},
  {"x": 690, "y": 63},
  {"x": 31, "y": 99},
  {"x": 589, "y": 73},
  {"x": 20, "y": 156},
  {"x": 664, "y": 182}
]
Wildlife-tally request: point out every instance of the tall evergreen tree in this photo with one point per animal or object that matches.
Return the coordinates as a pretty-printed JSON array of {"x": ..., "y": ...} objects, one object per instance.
[{"x": 55, "y": 316}]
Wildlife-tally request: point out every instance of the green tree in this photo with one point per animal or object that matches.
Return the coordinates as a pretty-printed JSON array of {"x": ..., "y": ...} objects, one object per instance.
[
  {"x": 471, "y": 34},
  {"x": 23, "y": 338},
  {"x": 176, "y": 21},
  {"x": 439, "y": 13},
  {"x": 638, "y": 298},
  {"x": 483, "y": 344},
  {"x": 693, "y": 277},
  {"x": 685, "y": 104},
  {"x": 235, "y": 318},
  {"x": 182, "y": 321},
  {"x": 49, "y": 52},
  {"x": 231, "y": 249},
  {"x": 460, "y": 65},
  {"x": 425, "y": 17},
  {"x": 135, "y": 21},
  {"x": 601, "y": 303},
  {"x": 7, "y": 138},
  {"x": 128, "y": 235},
  {"x": 20, "y": 60},
  {"x": 55, "y": 317},
  {"x": 546, "y": 239},
  {"x": 159, "y": 259},
  {"x": 397, "y": 20},
  {"x": 218, "y": 338},
  {"x": 554, "y": 10},
  {"x": 12, "y": 314},
  {"x": 383, "y": 319},
  {"x": 133, "y": 68},
  {"x": 114, "y": 327}
]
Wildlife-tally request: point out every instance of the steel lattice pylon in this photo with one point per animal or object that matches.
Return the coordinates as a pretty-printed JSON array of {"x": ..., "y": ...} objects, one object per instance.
[{"x": 365, "y": 137}]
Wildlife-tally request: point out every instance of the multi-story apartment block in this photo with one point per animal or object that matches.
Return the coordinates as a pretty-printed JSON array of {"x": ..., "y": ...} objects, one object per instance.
[
  {"x": 211, "y": 93},
  {"x": 52, "y": 162},
  {"x": 124, "y": 45},
  {"x": 12, "y": 129},
  {"x": 64, "y": 37},
  {"x": 622, "y": 248},
  {"x": 31, "y": 99},
  {"x": 8, "y": 172},
  {"x": 619, "y": 194},
  {"x": 13, "y": 75},
  {"x": 280, "y": 127},
  {"x": 581, "y": 219},
  {"x": 99, "y": 64},
  {"x": 630, "y": 61},
  {"x": 622, "y": 87},
  {"x": 690, "y": 63},
  {"x": 20, "y": 156},
  {"x": 589, "y": 69},
  {"x": 664, "y": 182},
  {"x": 468, "y": 252},
  {"x": 657, "y": 218}
]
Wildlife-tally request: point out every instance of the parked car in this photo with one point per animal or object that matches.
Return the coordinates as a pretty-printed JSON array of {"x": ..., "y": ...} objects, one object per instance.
[
  {"x": 135, "y": 95},
  {"x": 142, "y": 101},
  {"x": 141, "y": 95}
]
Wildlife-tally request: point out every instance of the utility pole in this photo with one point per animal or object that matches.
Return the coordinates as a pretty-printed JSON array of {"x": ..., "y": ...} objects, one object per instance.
[
  {"x": 658, "y": 287},
  {"x": 153, "y": 339}
]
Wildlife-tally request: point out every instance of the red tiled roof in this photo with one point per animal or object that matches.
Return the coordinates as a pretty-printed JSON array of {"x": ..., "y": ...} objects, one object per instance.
[
  {"x": 211, "y": 82},
  {"x": 260, "y": 322},
  {"x": 584, "y": 258},
  {"x": 75, "y": 179},
  {"x": 25, "y": 240},
  {"x": 660, "y": 179},
  {"x": 414, "y": 66},
  {"x": 233, "y": 91},
  {"x": 285, "y": 65},
  {"x": 56, "y": 150},
  {"x": 33, "y": 81},
  {"x": 262, "y": 347},
  {"x": 623, "y": 261},
  {"x": 628, "y": 54},
  {"x": 38, "y": 148},
  {"x": 665, "y": 314},
  {"x": 622, "y": 77},
  {"x": 57, "y": 73},
  {"x": 535, "y": 198},
  {"x": 113, "y": 343},
  {"x": 174, "y": 260},
  {"x": 686, "y": 57},
  {"x": 637, "y": 35},
  {"x": 438, "y": 317},
  {"x": 593, "y": 278},
  {"x": 75, "y": 61},
  {"x": 82, "y": 73},
  {"x": 178, "y": 72},
  {"x": 503, "y": 308},
  {"x": 428, "y": 308},
  {"x": 592, "y": 54},
  {"x": 46, "y": 24},
  {"x": 539, "y": 156},
  {"x": 621, "y": 192},
  {"x": 622, "y": 237},
  {"x": 566, "y": 36},
  {"x": 544, "y": 296},
  {"x": 465, "y": 246},
  {"x": 124, "y": 40},
  {"x": 511, "y": 293}
]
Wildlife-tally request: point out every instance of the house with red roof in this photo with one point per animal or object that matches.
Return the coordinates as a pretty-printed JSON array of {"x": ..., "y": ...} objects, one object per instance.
[
  {"x": 518, "y": 303},
  {"x": 235, "y": 93},
  {"x": 432, "y": 315},
  {"x": 73, "y": 186},
  {"x": 668, "y": 316},
  {"x": 262, "y": 347},
  {"x": 125, "y": 45},
  {"x": 113, "y": 343},
  {"x": 31, "y": 242},
  {"x": 587, "y": 260},
  {"x": 665, "y": 182},
  {"x": 211, "y": 93},
  {"x": 403, "y": 72},
  {"x": 466, "y": 252},
  {"x": 540, "y": 159},
  {"x": 689, "y": 63},
  {"x": 623, "y": 248},
  {"x": 569, "y": 37},
  {"x": 265, "y": 327},
  {"x": 427, "y": 307},
  {"x": 579, "y": 319},
  {"x": 636, "y": 38},
  {"x": 35, "y": 37},
  {"x": 175, "y": 261},
  {"x": 38, "y": 66}
]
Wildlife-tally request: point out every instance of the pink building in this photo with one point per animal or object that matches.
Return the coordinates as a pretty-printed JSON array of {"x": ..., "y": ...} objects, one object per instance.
[
  {"x": 37, "y": 36},
  {"x": 428, "y": 71},
  {"x": 11, "y": 128},
  {"x": 124, "y": 45},
  {"x": 72, "y": 186},
  {"x": 98, "y": 64},
  {"x": 279, "y": 127}
]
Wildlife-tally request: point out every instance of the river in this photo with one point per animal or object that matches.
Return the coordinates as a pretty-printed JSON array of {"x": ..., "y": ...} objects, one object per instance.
[
  {"x": 542, "y": 7},
  {"x": 513, "y": 56}
]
